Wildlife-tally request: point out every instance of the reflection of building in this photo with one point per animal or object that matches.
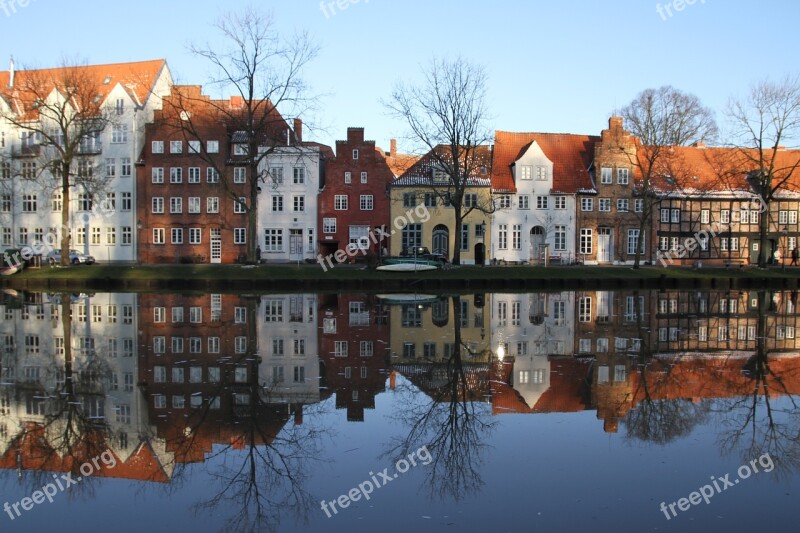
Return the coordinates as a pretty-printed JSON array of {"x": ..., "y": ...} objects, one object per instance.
[
  {"x": 353, "y": 350},
  {"x": 611, "y": 322},
  {"x": 426, "y": 329}
]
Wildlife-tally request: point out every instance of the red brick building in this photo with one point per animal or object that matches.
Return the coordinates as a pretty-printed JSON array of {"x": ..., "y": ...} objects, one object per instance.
[
  {"x": 185, "y": 211},
  {"x": 354, "y": 200}
]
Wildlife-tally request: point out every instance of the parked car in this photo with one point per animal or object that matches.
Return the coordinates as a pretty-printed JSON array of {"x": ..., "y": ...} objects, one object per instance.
[
  {"x": 75, "y": 258},
  {"x": 423, "y": 253}
]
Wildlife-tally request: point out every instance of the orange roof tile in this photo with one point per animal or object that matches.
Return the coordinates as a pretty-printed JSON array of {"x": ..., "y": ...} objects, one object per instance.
[{"x": 571, "y": 156}]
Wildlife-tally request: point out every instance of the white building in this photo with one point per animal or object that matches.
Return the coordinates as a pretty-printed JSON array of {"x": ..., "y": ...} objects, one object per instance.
[
  {"x": 535, "y": 177},
  {"x": 287, "y": 203},
  {"x": 102, "y": 221}
]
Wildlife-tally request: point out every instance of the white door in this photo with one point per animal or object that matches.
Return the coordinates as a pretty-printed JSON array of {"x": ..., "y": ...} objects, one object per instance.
[
  {"x": 604, "y": 245},
  {"x": 295, "y": 242},
  {"x": 216, "y": 246}
]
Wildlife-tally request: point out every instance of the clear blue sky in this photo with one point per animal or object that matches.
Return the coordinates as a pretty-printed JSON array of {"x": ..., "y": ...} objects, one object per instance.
[{"x": 557, "y": 66}]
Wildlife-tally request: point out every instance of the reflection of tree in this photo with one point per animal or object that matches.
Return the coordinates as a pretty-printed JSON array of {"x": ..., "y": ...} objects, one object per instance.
[
  {"x": 73, "y": 430},
  {"x": 451, "y": 421},
  {"x": 258, "y": 476},
  {"x": 658, "y": 420},
  {"x": 754, "y": 424}
]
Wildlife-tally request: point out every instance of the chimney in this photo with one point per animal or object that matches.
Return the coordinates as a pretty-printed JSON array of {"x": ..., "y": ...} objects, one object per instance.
[
  {"x": 298, "y": 129},
  {"x": 393, "y": 148},
  {"x": 699, "y": 144},
  {"x": 615, "y": 123},
  {"x": 11, "y": 72},
  {"x": 237, "y": 102}
]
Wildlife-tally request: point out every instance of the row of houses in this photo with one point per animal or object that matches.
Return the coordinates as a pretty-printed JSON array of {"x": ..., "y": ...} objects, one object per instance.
[{"x": 174, "y": 194}]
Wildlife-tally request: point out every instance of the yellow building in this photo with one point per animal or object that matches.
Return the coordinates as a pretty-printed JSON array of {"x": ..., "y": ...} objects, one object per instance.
[{"x": 422, "y": 214}]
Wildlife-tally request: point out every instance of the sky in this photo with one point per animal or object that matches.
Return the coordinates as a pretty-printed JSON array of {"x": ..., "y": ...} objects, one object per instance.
[{"x": 559, "y": 66}]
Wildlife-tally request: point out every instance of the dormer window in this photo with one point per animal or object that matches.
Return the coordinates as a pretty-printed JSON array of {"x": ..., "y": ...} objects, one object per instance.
[
  {"x": 439, "y": 176},
  {"x": 239, "y": 149}
]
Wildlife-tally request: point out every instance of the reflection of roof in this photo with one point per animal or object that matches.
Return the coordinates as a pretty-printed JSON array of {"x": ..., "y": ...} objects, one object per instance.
[
  {"x": 569, "y": 390},
  {"x": 570, "y": 154},
  {"x": 38, "y": 455}
]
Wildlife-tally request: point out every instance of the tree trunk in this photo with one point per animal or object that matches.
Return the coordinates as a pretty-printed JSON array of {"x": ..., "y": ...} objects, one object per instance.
[
  {"x": 66, "y": 230},
  {"x": 459, "y": 217},
  {"x": 763, "y": 228},
  {"x": 252, "y": 222}
]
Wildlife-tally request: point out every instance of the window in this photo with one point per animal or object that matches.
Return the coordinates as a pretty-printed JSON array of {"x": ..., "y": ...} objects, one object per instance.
[
  {"x": 605, "y": 175},
  {"x": 176, "y": 205},
  {"x": 586, "y": 241},
  {"x": 526, "y": 172},
  {"x": 111, "y": 236},
  {"x": 159, "y": 315},
  {"x": 502, "y": 236},
  {"x": 277, "y": 204},
  {"x": 516, "y": 230},
  {"x": 585, "y": 309},
  {"x": 409, "y": 199},
  {"x": 604, "y": 205},
  {"x": 273, "y": 240},
  {"x": 111, "y": 167},
  {"x": 298, "y": 204},
  {"x": 638, "y": 205},
  {"x": 29, "y": 170},
  {"x": 359, "y": 237},
  {"x": 705, "y": 216},
  {"x": 176, "y": 147},
  {"x": 158, "y": 236},
  {"x": 212, "y": 176},
  {"x": 157, "y": 174},
  {"x": 792, "y": 217},
  {"x": 240, "y": 206},
  {"x": 363, "y": 177},
  {"x": 541, "y": 173},
  {"x": 587, "y": 204},
  {"x": 126, "y": 167},
  {"x": 560, "y": 238},
  {"x": 675, "y": 215},
  {"x": 127, "y": 201},
  {"x": 541, "y": 202},
  {"x": 633, "y": 241},
  {"x": 195, "y": 235},
  {"x": 340, "y": 202},
  {"x": 299, "y": 176},
  {"x": 665, "y": 216},
  {"x": 560, "y": 201},
  {"x": 366, "y": 202},
  {"x": 328, "y": 225},
  {"x": 470, "y": 200},
  {"x": 194, "y": 147},
  {"x": 622, "y": 205},
  {"x": 340, "y": 349},
  {"x": 725, "y": 216},
  {"x": 212, "y": 147},
  {"x": 29, "y": 203},
  {"x": 194, "y": 205},
  {"x": 5, "y": 204},
  {"x": 194, "y": 174},
  {"x": 157, "y": 147},
  {"x": 157, "y": 204},
  {"x": 348, "y": 178},
  {"x": 212, "y": 204},
  {"x": 622, "y": 176},
  {"x": 240, "y": 175},
  {"x": 84, "y": 202},
  {"x": 176, "y": 175},
  {"x": 177, "y": 235},
  {"x": 524, "y": 201},
  {"x": 505, "y": 201},
  {"x": 412, "y": 235},
  {"x": 355, "y": 154},
  {"x": 239, "y": 235},
  {"x": 213, "y": 345},
  {"x": 119, "y": 133},
  {"x": 177, "y": 315},
  {"x": 366, "y": 348}
]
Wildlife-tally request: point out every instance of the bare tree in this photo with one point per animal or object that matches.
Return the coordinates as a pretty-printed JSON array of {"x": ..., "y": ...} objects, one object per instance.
[
  {"x": 761, "y": 123},
  {"x": 660, "y": 119},
  {"x": 60, "y": 116},
  {"x": 263, "y": 68},
  {"x": 446, "y": 114}
]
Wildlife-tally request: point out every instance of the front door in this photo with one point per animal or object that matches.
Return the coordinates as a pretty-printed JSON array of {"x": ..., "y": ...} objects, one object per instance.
[
  {"x": 604, "y": 245},
  {"x": 440, "y": 240},
  {"x": 216, "y": 246},
  {"x": 295, "y": 242}
]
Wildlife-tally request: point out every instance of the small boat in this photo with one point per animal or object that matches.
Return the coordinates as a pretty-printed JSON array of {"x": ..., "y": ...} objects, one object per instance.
[
  {"x": 8, "y": 271},
  {"x": 408, "y": 298},
  {"x": 402, "y": 264}
]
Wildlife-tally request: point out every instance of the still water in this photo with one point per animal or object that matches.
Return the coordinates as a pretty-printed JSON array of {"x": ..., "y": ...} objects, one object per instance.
[{"x": 623, "y": 411}]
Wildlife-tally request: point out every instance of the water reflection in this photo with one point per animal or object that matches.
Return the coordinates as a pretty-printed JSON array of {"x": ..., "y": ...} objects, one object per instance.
[{"x": 242, "y": 383}]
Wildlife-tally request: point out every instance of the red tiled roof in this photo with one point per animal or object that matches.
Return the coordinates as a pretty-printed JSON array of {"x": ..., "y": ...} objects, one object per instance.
[
  {"x": 136, "y": 78},
  {"x": 571, "y": 156}
]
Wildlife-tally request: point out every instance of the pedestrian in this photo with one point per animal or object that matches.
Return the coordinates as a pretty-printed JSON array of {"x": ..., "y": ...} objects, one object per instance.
[{"x": 794, "y": 256}]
